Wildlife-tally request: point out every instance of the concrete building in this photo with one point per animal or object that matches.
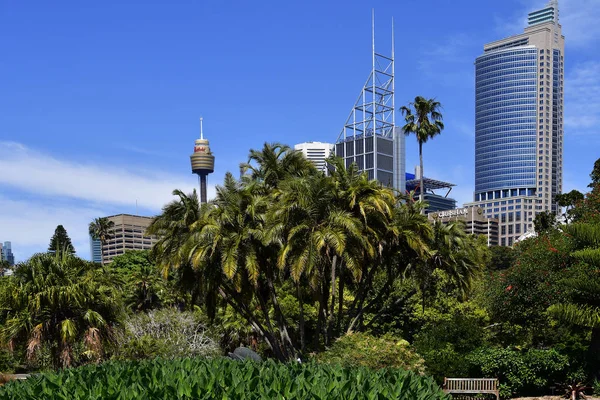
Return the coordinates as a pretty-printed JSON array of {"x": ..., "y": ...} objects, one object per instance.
[
  {"x": 6, "y": 253},
  {"x": 316, "y": 152},
  {"x": 474, "y": 220},
  {"x": 128, "y": 233},
  {"x": 519, "y": 124},
  {"x": 95, "y": 250}
]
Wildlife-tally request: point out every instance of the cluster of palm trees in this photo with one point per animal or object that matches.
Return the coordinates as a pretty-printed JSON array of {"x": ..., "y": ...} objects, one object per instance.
[{"x": 341, "y": 241}]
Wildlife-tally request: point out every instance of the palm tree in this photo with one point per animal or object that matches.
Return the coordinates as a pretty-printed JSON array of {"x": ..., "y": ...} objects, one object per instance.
[
  {"x": 274, "y": 163},
  {"x": 61, "y": 301},
  {"x": 227, "y": 248},
  {"x": 451, "y": 251},
  {"x": 424, "y": 120},
  {"x": 583, "y": 309},
  {"x": 173, "y": 228},
  {"x": 101, "y": 229}
]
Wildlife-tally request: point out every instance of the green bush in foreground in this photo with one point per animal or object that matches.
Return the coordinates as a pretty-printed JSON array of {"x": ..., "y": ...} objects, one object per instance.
[
  {"x": 363, "y": 350},
  {"x": 222, "y": 379}
]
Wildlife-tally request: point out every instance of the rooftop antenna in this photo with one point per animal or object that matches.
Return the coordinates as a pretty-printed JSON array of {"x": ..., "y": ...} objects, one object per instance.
[{"x": 201, "y": 132}]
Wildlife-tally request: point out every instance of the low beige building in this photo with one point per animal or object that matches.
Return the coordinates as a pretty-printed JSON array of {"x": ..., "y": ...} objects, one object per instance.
[
  {"x": 127, "y": 234},
  {"x": 474, "y": 219}
]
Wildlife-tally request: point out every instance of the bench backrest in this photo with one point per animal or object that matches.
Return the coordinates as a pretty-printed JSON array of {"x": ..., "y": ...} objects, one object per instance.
[{"x": 471, "y": 385}]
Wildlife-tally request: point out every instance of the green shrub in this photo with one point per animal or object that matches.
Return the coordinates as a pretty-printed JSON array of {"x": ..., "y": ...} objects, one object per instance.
[
  {"x": 520, "y": 373},
  {"x": 364, "y": 350},
  {"x": 221, "y": 378}
]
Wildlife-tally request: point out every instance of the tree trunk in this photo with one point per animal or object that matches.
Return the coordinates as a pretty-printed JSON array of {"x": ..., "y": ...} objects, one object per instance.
[
  {"x": 332, "y": 306},
  {"x": 421, "y": 188},
  {"x": 341, "y": 297},
  {"x": 267, "y": 336},
  {"x": 301, "y": 322}
]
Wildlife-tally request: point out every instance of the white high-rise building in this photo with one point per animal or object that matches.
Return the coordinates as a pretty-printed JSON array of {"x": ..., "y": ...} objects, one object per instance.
[
  {"x": 519, "y": 124},
  {"x": 316, "y": 152}
]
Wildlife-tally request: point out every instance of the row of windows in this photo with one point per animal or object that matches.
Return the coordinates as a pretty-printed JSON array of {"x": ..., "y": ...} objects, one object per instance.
[
  {"x": 523, "y": 57},
  {"x": 507, "y": 87},
  {"x": 507, "y": 108},
  {"x": 504, "y": 193},
  {"x": 510, "y": 182},
  {"x": 511, "y": 99},
  {"x": 496, "y": 115},
  {"x": 506, "y": 128},
  {"x": 498, "y": 138},
  {"x": 512, "y": 73}
]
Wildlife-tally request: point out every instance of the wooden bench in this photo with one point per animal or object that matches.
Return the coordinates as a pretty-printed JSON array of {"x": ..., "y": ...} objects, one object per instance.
[{"x": 472, "y": 386}]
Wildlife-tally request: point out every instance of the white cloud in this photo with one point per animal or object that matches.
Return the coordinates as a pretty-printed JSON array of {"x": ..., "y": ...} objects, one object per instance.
[
  {"x": 45, "y": 192},
  {"x": 579, "y": 19},
  {"x": 582, "y": 98},
  {"x": 36, "y": 172}
]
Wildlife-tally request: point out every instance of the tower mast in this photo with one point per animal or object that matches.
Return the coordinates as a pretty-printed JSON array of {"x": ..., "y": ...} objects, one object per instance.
[{"x": 203, "y": 162}]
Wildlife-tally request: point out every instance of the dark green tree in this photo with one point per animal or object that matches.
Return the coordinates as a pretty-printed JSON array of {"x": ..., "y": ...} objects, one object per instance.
[
  {"x": 544, "y": 222},
  {"x": 570, "y": 201},
  {"x": 595, "y": 175},
  {"x": 61, "y": 241},
  {"x": 501, "y": 258}
]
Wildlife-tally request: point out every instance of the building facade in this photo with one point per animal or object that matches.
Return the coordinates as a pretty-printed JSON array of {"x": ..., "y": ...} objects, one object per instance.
[
  {"x": 6, "y": 253},
  {"x": 474, "y": 219},
  {"x": 519, "y": 124},
  {"x": 95, "y": 250},
  {"x": 316, "y": 152},
  {"x": 127, "y": 234},
  {"x": 433, "y": 194}
]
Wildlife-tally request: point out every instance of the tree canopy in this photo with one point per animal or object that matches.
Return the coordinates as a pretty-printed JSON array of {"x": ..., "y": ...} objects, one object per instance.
[{"x": 61, "y": 241}]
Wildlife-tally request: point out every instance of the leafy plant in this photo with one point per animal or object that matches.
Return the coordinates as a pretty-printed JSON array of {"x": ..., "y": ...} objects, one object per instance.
[
  {"x": 223, "y": 379},
  {"x": 364, "y": 350},
  {"x": 519, "y": 372}
]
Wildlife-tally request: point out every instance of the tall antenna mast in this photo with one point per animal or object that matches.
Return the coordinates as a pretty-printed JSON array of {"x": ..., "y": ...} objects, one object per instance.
[{"x": 201, "y": 133}]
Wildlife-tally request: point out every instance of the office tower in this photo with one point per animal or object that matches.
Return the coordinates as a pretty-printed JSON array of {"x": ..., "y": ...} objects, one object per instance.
[
  {"x": 316, "y": 152},
  {"x": 370, "y": 137},
  {"x": 6, "y": 253},
  {"x": 203, "y": 162},
  {"x": 95, "y": 250},
  {"x": 519, "y": 124},
  {"x": 128, "y": 233}
]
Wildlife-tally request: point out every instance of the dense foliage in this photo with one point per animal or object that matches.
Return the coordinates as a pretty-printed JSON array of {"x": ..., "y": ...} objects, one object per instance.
[
  {"x": 362, "y": 349},
  {"x": 61, "y": 304},
  {"x": 341, "y": 241},
  {"x": 222, "y": 379}
]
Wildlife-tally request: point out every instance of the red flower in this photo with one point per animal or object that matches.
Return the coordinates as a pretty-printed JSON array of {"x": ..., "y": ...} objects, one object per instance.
[{"x": 508, "y": 288}]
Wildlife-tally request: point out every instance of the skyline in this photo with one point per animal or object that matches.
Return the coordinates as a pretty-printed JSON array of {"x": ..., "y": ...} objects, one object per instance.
[{"x": 117, "y": 116}]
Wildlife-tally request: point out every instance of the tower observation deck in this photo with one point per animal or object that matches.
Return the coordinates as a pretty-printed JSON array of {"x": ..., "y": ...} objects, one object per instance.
[{"x": 203, "y": 162}]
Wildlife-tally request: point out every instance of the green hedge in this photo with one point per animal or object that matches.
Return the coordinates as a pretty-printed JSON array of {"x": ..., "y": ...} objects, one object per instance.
[{"x": 222, "y": 379}]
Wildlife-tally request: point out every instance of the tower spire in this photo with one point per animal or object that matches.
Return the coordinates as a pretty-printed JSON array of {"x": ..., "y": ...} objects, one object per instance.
[{"x": 201, "y": 133}]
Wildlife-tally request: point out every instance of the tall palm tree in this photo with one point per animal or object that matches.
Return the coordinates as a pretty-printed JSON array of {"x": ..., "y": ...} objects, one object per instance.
[
  {"x": 61, "y": 301},
  {"x": 424, "y": 120},
  {"x": 173, "y": 228},
  {"x": 227, "y": 248},
  {"x": 101, "y": 229}
]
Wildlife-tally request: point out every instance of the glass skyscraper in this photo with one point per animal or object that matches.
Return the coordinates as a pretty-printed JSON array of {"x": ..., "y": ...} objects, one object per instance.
[{"x": 519, "y": 124}]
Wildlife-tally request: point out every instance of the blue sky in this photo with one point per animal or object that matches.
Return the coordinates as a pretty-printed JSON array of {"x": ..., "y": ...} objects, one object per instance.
[{"x": 99, "y": 101}]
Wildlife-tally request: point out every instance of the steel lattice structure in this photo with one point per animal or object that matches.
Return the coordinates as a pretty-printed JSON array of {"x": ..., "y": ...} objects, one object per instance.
[{"x": 370, "y": 138}]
